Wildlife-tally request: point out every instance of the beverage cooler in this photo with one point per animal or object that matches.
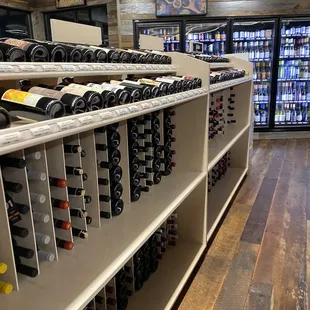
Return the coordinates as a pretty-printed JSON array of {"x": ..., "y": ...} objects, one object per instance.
[
  {"x": 169, "y": 31},
  {"x": 257, "y": 38},
  {"x": 293, "y": 85},
  {"x": 213, "y": 36}
]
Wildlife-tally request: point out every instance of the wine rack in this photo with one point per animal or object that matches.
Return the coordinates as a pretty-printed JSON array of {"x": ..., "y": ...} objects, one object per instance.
[{"x": 79, "y": 178}]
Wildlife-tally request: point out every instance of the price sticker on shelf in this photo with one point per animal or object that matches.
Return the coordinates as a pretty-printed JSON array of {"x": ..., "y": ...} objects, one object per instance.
[
  {"x": 185, "y": 95},
  {"x": 66, "y": 124},
  {"x": 10, "y": 138},
  {"x": 144, "y": 67},
  {"x": 69, "y": 68},
  {"x": 133, "y": 109},
  {"x": 41, "y": 131},
  {"x": 121, "y": 67},
  {"x": 27, "y": 68},
  {"x": 106, "y": 115},
  {"x": 145, "y": 105},
  {"x": 139, "y": 67},
  {"x": 50, "y": 68},
  {"x": 109, "y": 67},
  {"x": 164, "y": 100},
  {"x": 85, "y": 120},
  {"x": 171, "y": 99},
  {"x": 98, "y": 67},
  {"x": 85, "y": 68},
  {"x": 123, "y": 111},
  {"x": 6, "y": 68},
  {"x": 131, "y": 67},
  {"x": 179, "y": 97},
  {"x": 196, "y": 92},
  {"x": 156, "y": 103}
]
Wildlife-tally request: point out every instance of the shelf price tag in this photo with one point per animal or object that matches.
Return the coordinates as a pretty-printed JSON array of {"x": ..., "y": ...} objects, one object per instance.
[
  {"x": 171, "y": 99},
  {"x": 27, "y": 68},
  {"x": 41, "y": 131},
  {"x": 121, "y": 67},
  {"x": 86, "y": 68},
  {"x": 66, "y": 124},
  {"x": 6, "y": 68},
  {"x": 164, "y": 101},
  {"x": 105, "y": 115},
  {"x": 70, "y": 68},
  {"x": 85, "y": 120},
  {"x": 109, "y": 67},
  {"x": 143, "y": 67},
  {"x": 196, "y": 92},
  {"x": 133, "y": 109},
  {"x": 156, "y": 103},
  {"x": 131, "y": 67},
  {"x": 50, "y": 68},
  {"x": 10, "y": 138},
  {"x": 145, "y": 105},
  {"x": 98, "y": 67},
  {"x": 123, "y": 111},
  {"x": 179, "y": 97}
]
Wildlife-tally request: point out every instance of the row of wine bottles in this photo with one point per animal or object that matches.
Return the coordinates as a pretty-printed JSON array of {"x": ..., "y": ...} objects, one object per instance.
[
  {"x": 220, "y": 114},
  {"x": 14, "y": 50},
  {"x": 209, "y": 58},
  {"x": 138, "y": 270},
  {"x": 225, "y": 75},
  {"x": 219, "y": 171},
  {"x": 44, "y": 101}
]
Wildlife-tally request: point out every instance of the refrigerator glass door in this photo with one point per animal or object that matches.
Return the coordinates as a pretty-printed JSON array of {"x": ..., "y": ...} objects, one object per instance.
[
  {"x": 293, "y": 87},
  {"x": 211, "y": 35},
  {"x": 257, "y": 39},
  {"x": 169, "y": 32}
]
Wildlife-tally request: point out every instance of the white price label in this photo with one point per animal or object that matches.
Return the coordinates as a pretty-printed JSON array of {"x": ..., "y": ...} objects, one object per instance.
[
  {"x": 145, "y": 105},
  {"x": 123, "y": 111},
  {"x": 108, "y": 67},
  {"x": 49, "y": 68},
  {"x": 156, "y": 103},
  {"x": 98, "y": 67},
  {"x": 85, "y": 120},
  {"x": 164, "y": 101},
  {"x": 131, "y": 67},
  {"x": 27, "y": 68},
  {"x": 121, "y": 67},
  {"x": 139, "y": 67},
  {"x": 171, "y": 99},
  {"x": 105, "y": 115},
  {"x": 179, "y": 97},
  {"x": 85, "y": 68},
  {"x": 133, "y": 109},
  {"x": 185, "y": 95},
  {"x": 70, "y": 68},
  {"x": 6, "y": 68},
  {"x": 10, "y": 138},
  {"x": 66, "y": 124},
  {"x": 143, "y": 67},
  {"x": 41, "y": 131}
]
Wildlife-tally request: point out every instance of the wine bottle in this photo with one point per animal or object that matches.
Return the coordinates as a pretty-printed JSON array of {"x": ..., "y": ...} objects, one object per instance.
[
  {"x": 84, "y": 177},
  {"x": 67, "y": 245},
  {"x": 116, "y": 190},
  {"x": 19, "y": 231},
  {"x": 6, "y": 288},
  {"x": 94, "y": 99},
  {"x": 46, "y": 256},
  {"x": 113, "y": 127},
  {"x": 13, "y": 215},
  {"x": 12, "y": 186},
  {"x": 34, "y": 156},
  {"x": 72, "y": 149},
  {"x": 34, "y": 106},
  {"x": 12, "y": 53},
  {"x": 60, "y": 204},
  {"x": 116, "y": 173},
  {"x": 162, "y": 89},
  {"x": 113, "y": 95},
  {"x": 115, "y": 157},
  {"x": 87, "y": 199},
  {"x": 105, "y": 165},
  {"x": 73, "y": 104},
  {"x": 99, "y": 300},
  {"x": 74, "y": 170},
  {"x": 40, "y": 217},
  {"x": 42, "y": 239},
  {"x": 135, "y": 179},
  {"x": 101, "y": 147},
  {"x": 74, "y": 54},
  {"x": 145, "y": 90},
  {"x": 36, "y": 176},
  {"x": 83, "y": 154},
  {"x": 135, "y": 193},
  {"x": 78, "y": 213},
  {"x": 79, "y": 233},
  {"x": 18, "y": 163},
  {"x": 37, "y": 198},
  {"x": 135, "y": 94},
  {"x": 22, "y": 251},
  {"x": 57, "y": 53},
  {"x": 104, "y": 198},
  {"x": 89, "y": 220},
  {"x": 62, "y": 224},
  {"x": 114, "y": 139},
  {"x": 87, "y": 54},
  {"x": 112, "y": 55},
  {"x": 24, "y": 269},
  {"x": 5, "y": 118},
  {"x": 34, "y": 52},
  {"x": 117, "y": 206},
  {"x": 23, "y": 209},
  {"x": 144, "y": 58},
  {"x": 102, "y": 181},
  {"x": 105, "y": 215},
  {"x": 77, "y": 192},
  {"x": 100, "y": 54},
  {"x": 58, "y": 182},
  {"x": 133, "y": 57}
]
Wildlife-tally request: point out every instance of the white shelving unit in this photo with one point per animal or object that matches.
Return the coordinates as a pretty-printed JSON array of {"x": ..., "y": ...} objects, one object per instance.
[{"x": 79, "y": 275}]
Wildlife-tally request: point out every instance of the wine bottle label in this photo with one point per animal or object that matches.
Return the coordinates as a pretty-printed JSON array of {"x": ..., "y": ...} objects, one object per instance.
[
  {"x": 116, "y": 83},
  {"x": 100, "y": 88},
  {"x": 18, "y": 43},
  {"x": 79, "y": 91},
  {"x": 131, "y": 82},
  {"x": 46, "y": 92},
  {"x": 165, "y": 80},
  {"x": 18, "y": 96},
  {"x": 149, "y": 82}
]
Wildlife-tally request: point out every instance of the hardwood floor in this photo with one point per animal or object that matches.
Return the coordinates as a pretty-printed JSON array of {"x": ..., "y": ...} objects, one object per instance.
[{"x": 260, "y": 257}]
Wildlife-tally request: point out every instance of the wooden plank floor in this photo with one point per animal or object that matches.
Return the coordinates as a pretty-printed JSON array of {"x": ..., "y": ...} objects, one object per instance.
[{"x": 260, "y": 257}]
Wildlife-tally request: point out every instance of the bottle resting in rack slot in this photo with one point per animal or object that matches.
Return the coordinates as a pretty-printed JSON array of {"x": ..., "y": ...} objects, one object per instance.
[
  {"x": 60, "y": 204},
  {"x": 74, "y": 54},
  {"x": 100, "y": 54},
  {"x": 74, "y": 170},
  {"x": 78, "y": 213},
  {"x": 24, "y": 269},
  {"x": 73, "y": 104},
  {"x": 87, "y": 54},
  {"x": 113, "y": 56},
  {"x": 6, "y": 288},
  {"x": 34, "y": 52},
  {"x": 62, "y": 224},
  {"x": 145, "y": 90},
  {"x": 45, "y": 256},
  {"x": 57, "y": 53},
  {"x": 33, "y": 106},
  {"x": 67, "y": 245},
  {"x": 36, "y": 175},
  {"x": 144, "y": 58},
  {"x": 133, "y": 57},
  {"x": 22, "y": 251},
  {"x": 77, "y": 192},
  {"x": 164, "y": 88},
  {"x": 12, "y": 186},
  {"x": 176, "y": 83},
  {"x": 62, "y": 183},
  {"x": 19, "y": 231},
  {"x": 135, "y": 94},
  {"x": 12, "y": 53},
  {"x": 42, "y": 239},
  {"x": 94, "y": 99}
]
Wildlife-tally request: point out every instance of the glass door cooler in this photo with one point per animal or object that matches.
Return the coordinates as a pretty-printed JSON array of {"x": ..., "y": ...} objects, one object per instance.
[
  {"x": 169, "y": 31},
  {"x": 256, "y": 37},
  {"x": 213, "y": 36},
  {"x": 293, "y": 86}
]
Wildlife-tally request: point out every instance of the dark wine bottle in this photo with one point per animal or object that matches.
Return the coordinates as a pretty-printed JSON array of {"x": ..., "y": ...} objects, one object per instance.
[
  {"x": 23, "y": 209},
  {"x": 78, "y": 213},
  {"x": 5, "y": 119},
  {"x": 104, "y": 198},
  {"x": 57, "y": 53},
  {"x": 29, "y": 105},
  {"x": 100, "y": 54},
  {"x": 87, "y": 54},
  {"x": 105, "y": 215},
  {"x": 115, "y": 157},
  {"x": 85, "y": 176},
  {"x": 79, "y": 233},
  {"x": 114, "y": 139},
  {"x": 12, "y": 53},
  {"x": 116, "y": 173},
  {"x": 102, "y": 181},
  {"x": 105, "y": 165},
  {"x": 22, "y": 251},
  {"x": 24, "y": 269},
  {"x": 101, "y": 147},
  {"x": 72, "y": 149},
  {"x": 34, "y": 51},
  {"x": 74, "y": 170},
  {"x": 116, "y": 191},
  {"x": 113, "y": 56},
  {"x": 176, "y": 84},
  {"x": 19, "y": 231},
  {"x": 78, "y": 192},
  {"x": 62, "y": 224},
  {"x": 58, "y": 182},
  {"x": 117, "y": 206},
  {"x": 67, "y": 245},
  {"x": 135, "y": 193},
  {"x": 73, "y": 104},
  {"x": 144, "y": 58},
  {"x": 12, "y": 186},
  {"x": 163, "y": 88},
  {"x": 145, "y": 90},
  {"x": 60, "y": 204},
  {"x": 135, "y": 94},
  {"x": 74, "y": 54}
]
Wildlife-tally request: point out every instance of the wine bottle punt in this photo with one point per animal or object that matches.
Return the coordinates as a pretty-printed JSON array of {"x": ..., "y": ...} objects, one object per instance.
[
  {"x": 100, "y": 54},
  {"x": 34, "y": 52},
  {"x": 87, "y": 54},
  {"x": 116, "y": 173},
  {"x": 117, "y": 206}
]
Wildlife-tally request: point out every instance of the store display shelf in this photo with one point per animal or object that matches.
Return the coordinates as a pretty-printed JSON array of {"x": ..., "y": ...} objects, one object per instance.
[
  {"x": 300, "y": 35},
  {"x": 261, "y": 80},
  {"x": 260, "y": 60},
  {"x": 172, "y": 274},
  {"x": 223, "y": 85},
  {"x": 97, "y": 259},
  {"x": 252, "y": 39},
  {"x": 219, "y": 65},
  {"x": 18, "y": 70},
  {"x": 221, "y": 144},
  {"x": 294, "y": 57},
  {"x": 261, "y": 101},
  {"x": 21, "y": 137},
  {"x": 221, "y": 195},
  {"x": 293, "y": 80},
  {"x": 291, "y": 101}
]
